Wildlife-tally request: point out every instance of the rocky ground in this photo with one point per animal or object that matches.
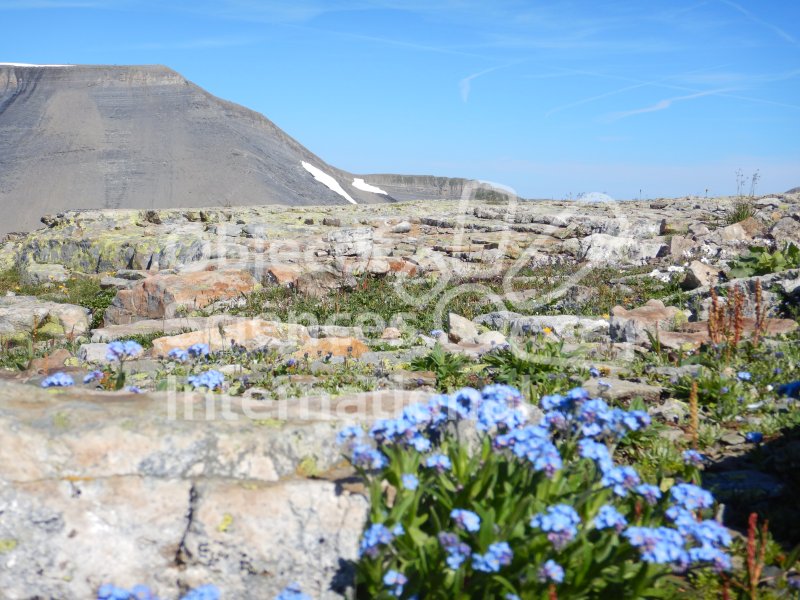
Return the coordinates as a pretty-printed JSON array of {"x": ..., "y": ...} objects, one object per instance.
[{"x": 322, "y": 317}]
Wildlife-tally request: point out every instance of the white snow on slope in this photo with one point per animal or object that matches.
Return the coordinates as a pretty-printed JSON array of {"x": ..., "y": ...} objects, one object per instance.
[
  {"x": 2, "y": 64},
  {"x": 362, "y": 185},
  {"x": 327, "y": 181}
]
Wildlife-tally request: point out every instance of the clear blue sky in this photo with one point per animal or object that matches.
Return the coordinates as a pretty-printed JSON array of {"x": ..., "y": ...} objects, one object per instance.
[{"x": 550, "y": 98}]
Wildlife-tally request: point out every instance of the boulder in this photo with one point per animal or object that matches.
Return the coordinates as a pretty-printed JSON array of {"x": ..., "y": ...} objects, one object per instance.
[
  {"x": 461, "y": 329},
  {"x": 786, "y": 231},
  {"x": 165, "y": 296},
  {"x": 633, "y": 325},
  {"x": 322, "y": 281},
  {"x": 164, "y": 326},
  {"x": 38, "y": 274},
  {"x": 187, "y": 490},
  {"x": 700, "y": 274},
  {"x": 350, "y": 242},
  {"x": 250, "y": 333},
  {"x": 345, "y": 346},
  {"x": 26, "y": 314},
  {"x": 601, "y": 248}
]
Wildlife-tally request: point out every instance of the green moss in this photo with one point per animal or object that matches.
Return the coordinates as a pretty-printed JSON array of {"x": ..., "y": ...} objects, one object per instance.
[
  {"x": 308, "y": 467},
  {"x": 7, "y": 545}
]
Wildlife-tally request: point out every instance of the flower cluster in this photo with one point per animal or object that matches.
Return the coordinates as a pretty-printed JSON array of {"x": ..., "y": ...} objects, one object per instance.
[
  {"x": 498, "y": 555},
  {"x": 210, "y": 380},
  {"x": 93, "y": 376},
  {"x": 575, "y": 440},
  {"x": 57, "y": 380},
  {"x": 123, "y": 350},
  {"x": 178, "y": 355},
  {"x": 378, "y": 535},
  {"x": 142, "y": 592}
]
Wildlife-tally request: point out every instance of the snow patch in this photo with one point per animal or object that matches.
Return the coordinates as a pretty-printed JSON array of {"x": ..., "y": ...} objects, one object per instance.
[
  {"x": 362, "y": 185},
  {"x": 2, "y": 64},
  {"x": 327, "y": 181}
]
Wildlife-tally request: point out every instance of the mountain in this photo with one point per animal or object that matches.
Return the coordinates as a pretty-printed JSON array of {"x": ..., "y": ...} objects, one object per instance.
[{"x": 74, "y": 137}]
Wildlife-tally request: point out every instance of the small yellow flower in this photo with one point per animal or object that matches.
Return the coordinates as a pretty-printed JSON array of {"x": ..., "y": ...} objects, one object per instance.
[
  {"x": 605, "y": 316},
  {"x": 547, "y": 331}
]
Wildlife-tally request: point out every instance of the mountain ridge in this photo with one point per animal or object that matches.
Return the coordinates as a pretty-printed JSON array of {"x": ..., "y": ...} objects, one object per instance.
[{"x": 145, "y": 137}]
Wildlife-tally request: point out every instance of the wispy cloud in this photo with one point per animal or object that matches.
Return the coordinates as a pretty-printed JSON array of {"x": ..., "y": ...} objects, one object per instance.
[
  {"x": 465, "y": 85},
  {"x": 664, "y": 104},
  {"x": 759, "y": 21}
]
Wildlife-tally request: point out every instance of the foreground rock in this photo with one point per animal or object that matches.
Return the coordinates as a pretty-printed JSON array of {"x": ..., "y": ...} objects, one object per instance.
[{"x": 186, "y": 492}]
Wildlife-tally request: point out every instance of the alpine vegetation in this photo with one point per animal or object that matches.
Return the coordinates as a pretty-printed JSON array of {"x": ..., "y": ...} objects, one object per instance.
[{"x": 472, "y": 499}]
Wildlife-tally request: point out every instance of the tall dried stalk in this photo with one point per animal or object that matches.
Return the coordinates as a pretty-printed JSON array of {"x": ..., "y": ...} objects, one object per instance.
[
  {"x": 761, "y": 314},
  {"x": 716, "y": 317},
  {"x": 694, "y": 416}
]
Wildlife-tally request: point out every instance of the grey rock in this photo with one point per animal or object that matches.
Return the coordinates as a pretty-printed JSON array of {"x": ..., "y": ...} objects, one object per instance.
[
  {"x": 23, "y": 314},
  {"x": 351, "y": 242},
  {"x": 36, "y": 274}
]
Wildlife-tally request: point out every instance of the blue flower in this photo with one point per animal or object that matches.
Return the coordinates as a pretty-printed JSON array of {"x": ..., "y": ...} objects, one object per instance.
[
  {"x": 367, "y": 457},
  {"x": 754, "y": 437},
  {"x": 436, "y": 332},
  {"x": 744, "y": 376},
  {"x": 109, "y": 591},
  {"x": 620, "y": 479},
  {"x": 93, "y": 376},
  {"x": 210, "y": 379},
  {"x": 440, "y": 462},
  {"x": 292, "y": 592},
  {"x": 198, "y": 350},
  {"x": 410, "y": 481},
  {"x": 57, "y": 380},
  {"x": 559, "y": 522},
  {"x": 791, "y": 389},
  {"x": 492, "y": 414},
  {"x": 693, "y": 457},
  {"x": 133, "y": 389},
  {"x": 551, "y": 571},
  {"x": 142, "y": 592},
  {"x": 395, "y": 581},
  {"x": 719, "y": 559},
  {"x": 691, "y": 497},
  {"x": 456, "y": 550},
  {"x": 349, "y": 433},
  {"x": 609, "y": 517},
  {"x": 498, "y": 555},
  {"x": 178, "y": 354},
  {"x": 505, "y": 394},
  {"x": 649, "y": 492},
  {"x": 123, "y": 350},
  {"x": 597, "y": 452},
  {"x": 660, "y": 545},
  {"x": 375, "y": 536},
  {"x": 594, "y": 372},
  {"x": 466, "y": 519}
]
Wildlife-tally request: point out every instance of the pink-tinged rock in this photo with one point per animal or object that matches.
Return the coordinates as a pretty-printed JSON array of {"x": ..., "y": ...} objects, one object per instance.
[
  {"x": 163, "y": 296},
  {"x": 251, "y": 334},
  {"x": 347, "y": 346},
  {"x": 634, "y": 325}
]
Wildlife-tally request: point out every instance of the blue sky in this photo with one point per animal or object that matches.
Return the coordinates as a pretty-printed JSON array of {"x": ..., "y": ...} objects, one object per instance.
[{"x": 550, "y": 98}]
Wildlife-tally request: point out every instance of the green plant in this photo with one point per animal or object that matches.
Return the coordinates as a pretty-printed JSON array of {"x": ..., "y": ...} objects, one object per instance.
[
  {"x": 760, "y": 261},
  {"x": 537, "y": 367},
  {"x": 448, "y": 367}
]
